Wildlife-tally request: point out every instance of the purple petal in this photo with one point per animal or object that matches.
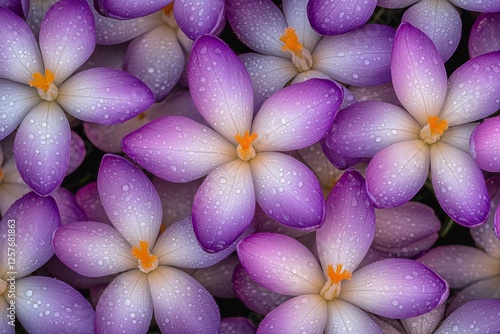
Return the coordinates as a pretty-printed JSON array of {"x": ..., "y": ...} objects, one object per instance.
[
  {"x": 474, "y": 90},
  {"x": 18, "y": 102},
  {"x": 33, "y": 220},
  {"x": 466, "y": 202},
  {"x": 459, "y": 136},
  {"x": 475, "y": 6},
  {"x": 176, "y": 309},
  {"x": 360, "y": 57},
  {"x": 396, "y": 174},
  {"x": 126, "y": 305},
  {"x": 483, "y": 235},
  {"x": 440, "y": 21},
  {"x": 111, "y": 32},
  {"x": 425, "y": 323},
  {"x": 19, "y": 7},
  {"x": 418, "y": 73},
  {"x": 485, "y": 34},
  {"x": 237, "y": 325},
  {"x": 334, "y": 18},
  {"x": 17, "y": 39},
  {"x": 280, "y": 264},
  {"x": 5, "y": 322},
  {"x": 128, "y": 9},
  {"x": 395, "y": 3},
  {"x": 349, "y": 224},
  {"x": 296, "y": 17},
  {"x": 343, "y": 317},
  {"x": 178, "y": 149},
  {"x": 224, "y": 205},
  {"x": 217, "y": 279},
  {"x": 460, "y": 265},
  {"x": 88, "y": 199},
  {"x": 93, "y": 249},
  {"x": 486, "y": 288},
  {"x": 287, "y": 190},
  {"x": 156, "y": 58},
  {"x": 481, "y": 315},
  {"x": 78, "y": 151},
  {"x": 130, "y": 200},
  {"x": 394, "y": 288},
  {"x": 258, "y": 24},
  {"x": 485, "y": 143},
  {"x": 384, "y": 93},
  {"x": 42, "y": 147},
  {"x": 68, "y": 208},
  {"x": 177, "y": 246},
  {"x": 104, "y": 96},
  {"x": 202, "y": 19},
  {"x": 220, "y": 87},
  {"x": 256, "y": 297},
  {"x": 410, "y": 250},
  {"x": 306, "y": 313},
  {"x": 67, "y": 37},
  {"x": 365, "y": 128},
  {"x": 46, "y": 305},
  {"x": 296, "y": 116}
]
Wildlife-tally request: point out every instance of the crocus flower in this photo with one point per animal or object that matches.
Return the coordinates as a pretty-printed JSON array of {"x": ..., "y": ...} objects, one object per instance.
[
  {"x": 331, "y": 296},
  {"x": 37, "y": 88},
  {"x": 289, "y": 49},
  {"x": 433, "y": 130},
  {"x": 241, "y": 156},
  {"x": 478, "y": 316},
  {"x": 41, "y": 304},
  {"x": 485, "y": 34},
  {"x": 485, "y": 144},
  {"x": 149, "y": 280}
]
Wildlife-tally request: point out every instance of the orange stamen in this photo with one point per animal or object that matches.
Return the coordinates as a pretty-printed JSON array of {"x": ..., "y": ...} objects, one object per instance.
[
  {"x": 147, "y": 261},
  {"x": 339, "y": 274},
  {"x": 41, "y": 81},
  {"x": 437, "y": 126},
  {"x": 245, "y": 150},
  {"x": 291, "y": 42},
  {"x": 168, "y": 9}
]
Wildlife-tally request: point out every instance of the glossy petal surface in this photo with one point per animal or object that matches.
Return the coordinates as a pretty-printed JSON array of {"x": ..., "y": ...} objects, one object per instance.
[
  {"x": 344, "y": 317},
  {"x": 485, "y": 143},
  {"x": 485, "y": 34},
  {"x": 198, "y": 20}
]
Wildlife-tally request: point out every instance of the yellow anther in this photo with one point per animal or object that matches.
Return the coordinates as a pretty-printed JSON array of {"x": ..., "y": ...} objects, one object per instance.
[
  {"x": 291, "y": 42},
  {"x": 245, "y": 149},
  {"x": 331, "y": 290},
  {"x": 147, "y": 261},
  {"x": 41, "y": 81},
  {"x": 437, "y": 126}
]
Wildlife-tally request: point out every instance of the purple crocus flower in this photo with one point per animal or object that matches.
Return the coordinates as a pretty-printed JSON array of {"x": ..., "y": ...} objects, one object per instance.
[
  {"x": 37, "y": 88},
  {"x": 433, "y": 131},
  {"x": 289, "y": 49},
  {"x": 41, "y": 304},
  {"x": 330, "y": 295},
  {"x": 241, "y": 156},
  {"x": 131, "y": 246}
]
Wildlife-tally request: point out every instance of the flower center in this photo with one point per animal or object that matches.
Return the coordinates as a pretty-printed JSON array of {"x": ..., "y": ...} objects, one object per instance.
[
  {"x": 245, "y": 149},
  {"x": 45, "y": 85},
  {"x": 301, "y": 57},
  {"x": 331, "y": 290},
  {"x": 147, "y": 261},
  {"x": 433, "y": 130}
]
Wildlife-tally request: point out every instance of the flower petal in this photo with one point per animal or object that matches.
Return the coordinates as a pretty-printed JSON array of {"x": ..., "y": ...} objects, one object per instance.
[
  {"x": 425, "y": 323},
  {"x": 67, "y": 37},
  {"x": 33, "y": 219},
  {"x": 6, "y": 320},
  {"x": 217, "y": 278},
  {"x": 178, "y": 149},
  {"x": 69, "y": 210},
  {"x": 111, "y": 32},
  {"x": 42, "y": 147},
  {"x": 104, "y": 96},
  {"x": 220, "y": 87},
  {"x": 198, "y": 20},
  {"x": 474, "y": 90},
  {"x": 302, "y": 314},
  {"x": 343, "y": 317},
  {"x": 93, "y": 249},
  {"x": 21, "y": 55},
  {"x": 287, "y": 190},
  {"x": 360, "y": 57},
  {"x": 459, "y": 136},
  {"x": 128, "y": 9},
  {"x": 483, "y": 6},
  {"x": 296, "y": 17},
  {"x": 485, "y": 143},
  {"x": 46, "y": 305},
  {"x": 177, "y": 246},
  {"x": 349, "y": 225},
  {"x": 468, "y": 202},
  {"x": 280, "y": 264},
  {"x": 440, "y": 21},
  {"x": 88, "y": 199},
  {"x": 335, "y": 18},
  {"x": 461, "y": 265},
  {"x": 156, "y": 57},
  {"x": 130, "y": 200},
  {"x": 485, "y": 34},
  {"x": 394, "y": 288},
  {"x": 483, "y": 234},
  {"x": 78, "y": 151},
  {"x": 296, "y": 116},
  {"x": 224, "y": 206},
  {"x": 396, "y": 174},
  {"x": 126, "y": 305},
  {"x": 237, "y": 325},
  {"x": 365, "y": 128},
  {"x": 258, "y": 24},
  {"x": 418, "y": 73},
  {"x": 486, "y": 288},
  {"x": 182, "y": 306},
  {"x": 16, "y": 102}
]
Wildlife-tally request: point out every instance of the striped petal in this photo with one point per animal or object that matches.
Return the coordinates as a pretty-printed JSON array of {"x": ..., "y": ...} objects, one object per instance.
[
  {"x": 344, "y": 317},
  {"x": 418, "y": 73},
  {"x": 67, "y": 37},
  {"x": 220, "y": 87},
  {"x": 224, "y": 205}
]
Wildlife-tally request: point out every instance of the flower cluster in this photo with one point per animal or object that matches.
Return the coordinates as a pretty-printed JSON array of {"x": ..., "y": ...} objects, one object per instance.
[{"x": 256, "y": 166}]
